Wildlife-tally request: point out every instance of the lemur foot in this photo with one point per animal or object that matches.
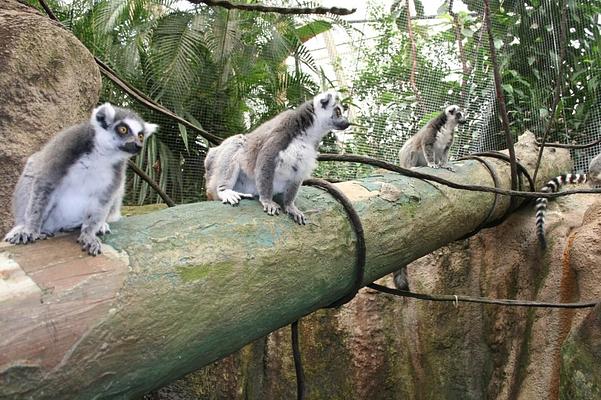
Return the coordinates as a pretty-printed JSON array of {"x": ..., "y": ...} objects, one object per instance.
[
  {"x": 400, "y": 279},
  {"x": 105, "y": 229},
  {"x": 90, "y": 243},
  {"x": 271, "y": 207},
  {"x": 21, "y": 234},
  {"x": 296, "y": 214},
  {"x": 448, "y": 167},
  {"x": 232, "y": 197}
]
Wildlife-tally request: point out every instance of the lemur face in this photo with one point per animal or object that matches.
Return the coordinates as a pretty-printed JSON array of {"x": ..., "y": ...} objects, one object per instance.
[
  {"x": 594, "y": 171},
  {"x": 121, "y": 129},
  {"x": 330, "y": 111},
  {"x": 456, "y": 113}
]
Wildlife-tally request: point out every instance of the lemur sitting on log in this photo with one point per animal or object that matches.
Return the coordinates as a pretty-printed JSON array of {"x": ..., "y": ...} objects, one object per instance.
[
  {"x": 429, "y": 148},
  {"x": 275, "y": 157}
]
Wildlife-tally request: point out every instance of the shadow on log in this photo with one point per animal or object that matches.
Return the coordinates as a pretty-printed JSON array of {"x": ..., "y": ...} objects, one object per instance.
[{"x": 179, "y": 288}]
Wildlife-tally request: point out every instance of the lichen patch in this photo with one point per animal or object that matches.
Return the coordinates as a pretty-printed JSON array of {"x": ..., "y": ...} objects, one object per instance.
[{"x": 14, "y": 282}]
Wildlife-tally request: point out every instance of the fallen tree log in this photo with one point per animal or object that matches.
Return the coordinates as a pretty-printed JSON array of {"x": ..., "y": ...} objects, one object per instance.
[{"x": 179, "y": 288}]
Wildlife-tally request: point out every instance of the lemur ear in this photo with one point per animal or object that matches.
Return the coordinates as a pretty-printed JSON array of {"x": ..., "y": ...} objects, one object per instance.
[
  {"x": 149, "y": 129},
  {"x": 104, "y": 115},
  {"x": 326, "y": 100}
]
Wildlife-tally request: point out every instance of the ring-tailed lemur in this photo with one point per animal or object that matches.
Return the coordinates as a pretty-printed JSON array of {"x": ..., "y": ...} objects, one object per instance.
[
  {"x": 429, "y": 147},
  {"x": 77, "y": 179},
  {"x": 275, "y": 157},
  {"x": 593, "y": 177}
]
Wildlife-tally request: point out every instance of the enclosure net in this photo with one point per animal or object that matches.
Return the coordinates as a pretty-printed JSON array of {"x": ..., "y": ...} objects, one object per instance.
[{"x": 399, "y": 63}]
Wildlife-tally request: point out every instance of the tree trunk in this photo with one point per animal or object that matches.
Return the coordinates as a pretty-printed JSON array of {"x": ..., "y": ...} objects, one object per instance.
[{"x": 179, "y": 288}]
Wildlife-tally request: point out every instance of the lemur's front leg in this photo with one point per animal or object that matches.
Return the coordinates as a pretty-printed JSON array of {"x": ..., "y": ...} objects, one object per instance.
[
  {"x": 428, "y": 149},
  {"x": 444, "y": 163},
  {"x": 289, "y": 206},
  {"x": 94, "y": 221},
  {"x": 265, "y": 173}
]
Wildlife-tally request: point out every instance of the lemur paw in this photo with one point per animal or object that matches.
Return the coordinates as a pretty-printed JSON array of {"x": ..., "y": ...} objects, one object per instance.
[
  {"x": 271, "y": 207},
  {"x": 448, "y": 167},
  {"x": 432, "y": 165},
  {"x": 296, "y": 214},
  {"x": 90, "y": 243},
  {"x": 21, "y": 234},
  {"x": 232, "y": 197},
  {"x": 400, "y": 279},
  {"x": 105, "y": 229}
]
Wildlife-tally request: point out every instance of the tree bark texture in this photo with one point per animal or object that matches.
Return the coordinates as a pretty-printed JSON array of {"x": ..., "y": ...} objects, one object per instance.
[{"x": 179, "y": 288}]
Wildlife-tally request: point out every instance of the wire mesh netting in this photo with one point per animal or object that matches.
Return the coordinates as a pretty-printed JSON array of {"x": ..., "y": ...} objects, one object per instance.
[{"x": 399, "y": 63}]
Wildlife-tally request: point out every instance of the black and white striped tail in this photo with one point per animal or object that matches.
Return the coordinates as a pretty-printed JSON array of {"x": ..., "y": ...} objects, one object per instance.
[{"x": 541, "y": 203}]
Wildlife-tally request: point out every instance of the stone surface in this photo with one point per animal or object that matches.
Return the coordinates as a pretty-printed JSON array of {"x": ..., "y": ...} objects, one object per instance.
[
  {"x": 48, "y": 82},
  {"x": 581, "y": 355},
  {"x": 380, "y": 347}
]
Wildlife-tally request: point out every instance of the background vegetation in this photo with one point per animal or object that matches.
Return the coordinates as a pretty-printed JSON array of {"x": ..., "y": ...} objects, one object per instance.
[{"x": 227, "y": 71}]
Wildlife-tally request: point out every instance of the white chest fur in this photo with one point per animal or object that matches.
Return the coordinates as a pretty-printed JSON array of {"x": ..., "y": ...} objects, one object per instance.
[
  {"x": 85, "y": 185},
  {"x": 444, "y": 137},
  {"x": 294, "y": 164}
]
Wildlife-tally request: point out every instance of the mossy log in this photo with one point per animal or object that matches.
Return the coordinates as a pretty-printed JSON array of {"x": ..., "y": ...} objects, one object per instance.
[{"x": 179, "y": 288}]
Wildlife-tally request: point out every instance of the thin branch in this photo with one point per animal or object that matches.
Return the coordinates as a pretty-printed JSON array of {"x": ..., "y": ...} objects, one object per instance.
[
  {"x": 412, "y": 74},
  {"x": 151, "y": 182},
  {"x": 420, "y": 175},
  {"x": 501, "y": 97},
  {"x": 274, "y": 9},
  {"x": 480, "y": 300},
  {"x": 462, "y": 57},
  {"x": 570, "y": 146},
  {"x": 563, "y": 25},
  {"x": 137, "y": 94},
  {"x": 148, "y": 102}
]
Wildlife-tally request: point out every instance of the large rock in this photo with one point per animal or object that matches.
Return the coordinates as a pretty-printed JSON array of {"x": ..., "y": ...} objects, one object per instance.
[
  {"x": 581, "y": 355},
  {"x": 380, "y": 347},
  {"x": 48, "y": 81}
]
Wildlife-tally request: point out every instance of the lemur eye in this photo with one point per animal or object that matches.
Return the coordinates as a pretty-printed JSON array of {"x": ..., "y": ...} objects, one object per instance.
[
  {"x": 345, "y": 107},
  {"x": 141, "y": 136},
  {"x": 337, "y": 112},
  {"x": 122, "y": 129}
]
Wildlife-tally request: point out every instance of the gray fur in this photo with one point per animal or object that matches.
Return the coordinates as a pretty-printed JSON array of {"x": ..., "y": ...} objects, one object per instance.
[
  {"x": 77, "y": 179},
  {"x": 274, "y": 158},
  {"x": 430, "y": 146}
]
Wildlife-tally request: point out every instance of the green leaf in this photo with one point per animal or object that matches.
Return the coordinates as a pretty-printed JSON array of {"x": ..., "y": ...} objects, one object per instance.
[
  {"x": 312, "y": 29},
  {"x": 183, "y": 133},
  {"x": 531, "y": 60},
  {"x": 498, "y": 44},
  {"x": 467, "y": 32},
  {"x": 508, "y": 88}
]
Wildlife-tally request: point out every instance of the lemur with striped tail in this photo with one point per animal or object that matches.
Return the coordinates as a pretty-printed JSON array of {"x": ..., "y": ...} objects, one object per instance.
[{"x": 593, "y": 177}]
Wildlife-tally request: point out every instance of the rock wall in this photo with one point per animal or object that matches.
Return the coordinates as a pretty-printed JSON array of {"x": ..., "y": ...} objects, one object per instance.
[
  {"x": 382, "y": 347},
  {"x": 48, "y": 81}
]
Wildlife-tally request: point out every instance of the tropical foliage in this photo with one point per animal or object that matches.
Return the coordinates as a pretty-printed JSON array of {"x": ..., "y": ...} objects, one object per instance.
[{"x": 227, "y": 71}]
